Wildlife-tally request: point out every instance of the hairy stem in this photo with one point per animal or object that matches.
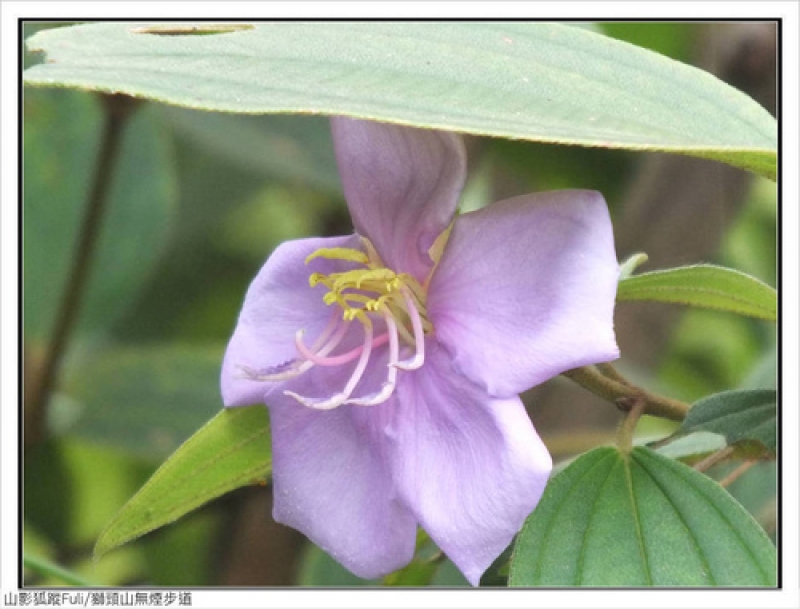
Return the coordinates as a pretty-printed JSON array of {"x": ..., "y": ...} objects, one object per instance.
[
  {"x": 609, "y": 384},
  {"x": 117, "y": 109},
  {"x": 612, "y": 373}
]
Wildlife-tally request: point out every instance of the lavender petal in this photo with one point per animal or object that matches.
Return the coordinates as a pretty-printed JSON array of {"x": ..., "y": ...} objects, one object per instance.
[
  {"x": 402, "y": 186},
  {"x": 526, "y": 288}
]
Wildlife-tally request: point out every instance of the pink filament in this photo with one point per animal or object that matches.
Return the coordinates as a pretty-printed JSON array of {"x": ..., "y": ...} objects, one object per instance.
[
  {"x": 337, "y": 360},
  {"x": 339, "y": 398},
  {"x": 387, "y": 388},
  {"x": 333, "y": 335},
  {"x": 324, "y": 344}
]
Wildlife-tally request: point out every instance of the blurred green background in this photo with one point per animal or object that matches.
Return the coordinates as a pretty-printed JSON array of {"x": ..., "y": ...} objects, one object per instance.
[{"x": 200, "y": 200}]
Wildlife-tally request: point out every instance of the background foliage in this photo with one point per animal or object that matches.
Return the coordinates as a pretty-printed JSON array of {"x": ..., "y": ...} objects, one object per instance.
[{"x": 201, "y": 200}]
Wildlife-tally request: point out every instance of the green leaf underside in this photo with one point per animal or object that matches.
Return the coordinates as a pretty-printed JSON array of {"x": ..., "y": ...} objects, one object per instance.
[
  {"x": 737, "y": 415},
  {"x": 706, "y": 286},
  {"x": 639, "y": 520},
  {"x": 692, "y": 447},
  {"x": 536, "y": 81},
  {"x": 231, "y": 450}
]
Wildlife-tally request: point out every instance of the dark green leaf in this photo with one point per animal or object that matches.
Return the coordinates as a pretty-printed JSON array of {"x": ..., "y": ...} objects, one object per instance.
[
  {"x": 537, "y": 81},
  {"x": 146, "y": 400},
  {"x": 738, "y": 415},
  {"x": 73, "y": 488},
  {"x": 706, "y": 286},
  {"x": 231, "y": 450},
  {"x": 642, "y": 519},
  {"x": 62, "y": 130}
]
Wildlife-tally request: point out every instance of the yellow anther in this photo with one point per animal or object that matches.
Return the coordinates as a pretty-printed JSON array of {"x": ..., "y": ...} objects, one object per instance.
[
  {"x": 339, "y": 253},
  {"x": 360, "y": 298},
  {"x": 351, "y": 314},
  {"x": 375, "y": 275},
  {"x": 360, "y": 292},
  {"x": 376, "y": 303},
  {"x": 360, "y": 277},
  {"x": 316, "y": 278}
]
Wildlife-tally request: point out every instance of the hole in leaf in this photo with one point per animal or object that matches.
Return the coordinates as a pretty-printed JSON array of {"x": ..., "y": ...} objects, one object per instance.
[{"x": 192, "y": 30}]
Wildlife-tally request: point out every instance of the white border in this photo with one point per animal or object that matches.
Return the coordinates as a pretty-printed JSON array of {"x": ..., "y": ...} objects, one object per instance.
[
  {"x": 789, "y": 597},
  {"x": 397, "y": 10},
  {"x": 9, "y": 364}
]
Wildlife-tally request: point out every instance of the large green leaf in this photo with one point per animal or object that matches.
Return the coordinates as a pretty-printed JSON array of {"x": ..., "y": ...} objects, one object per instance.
[
  {"x": 62, "y": 131},
  {"x": 706, "y": 286},
  {"x": 738, "y": 415},
  {"x": 642, "y": 519},
  {"x": 231, "y": 450},
  {"x": 537, "y": 81}
]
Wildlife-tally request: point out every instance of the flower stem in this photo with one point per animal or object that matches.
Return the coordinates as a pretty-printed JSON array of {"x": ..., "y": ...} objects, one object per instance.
[
  {"x": 626, "y": 429},
  {"x": 714, "y": 458},
  {"x": 735, "y": 474},
  {"x": 606, "y": 382},
  {"x": 47, "y": 568},
  {"x": 117, "y": 109},
  {"x": 612, "y": 373}
]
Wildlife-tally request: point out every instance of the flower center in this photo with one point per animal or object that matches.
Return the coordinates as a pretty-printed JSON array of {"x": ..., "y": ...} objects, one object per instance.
[{"x": 364, "y": 296}]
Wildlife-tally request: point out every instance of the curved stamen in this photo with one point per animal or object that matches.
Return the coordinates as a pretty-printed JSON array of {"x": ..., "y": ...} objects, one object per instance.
[
  {"x": 336, "y": 360},
  {"x": 419, "y": 336},
  {"x": 399, "y": 312},
  {"x": 379, "y": 397},
  {"x": 361, "y": 366},
  {"x": 333, "y": 341},
  {"x": 359, "y": 293},
  {"x": 339, "y": 398},
  {"x": 387, "y": 388},
  {"x": 324, "y": 344},
  {"x": 334, "y": 322}
]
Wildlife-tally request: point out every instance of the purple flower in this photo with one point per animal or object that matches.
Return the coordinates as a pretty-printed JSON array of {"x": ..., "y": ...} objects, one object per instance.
[{"x": 391, "y": 360}]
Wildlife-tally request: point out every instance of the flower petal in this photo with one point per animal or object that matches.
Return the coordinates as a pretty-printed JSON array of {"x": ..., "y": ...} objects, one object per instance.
[
  {"x": 471, "y": 468},
  {"x": 331, "y": 483},
  {"x": 279, "y": 302},
  {"x": 402, "y": 187},
  {"x": 525, "y": 290}
]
